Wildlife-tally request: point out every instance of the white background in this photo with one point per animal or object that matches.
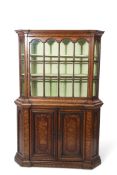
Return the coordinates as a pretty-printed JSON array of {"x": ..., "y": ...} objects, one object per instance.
[{"x": 57, "y": 14}]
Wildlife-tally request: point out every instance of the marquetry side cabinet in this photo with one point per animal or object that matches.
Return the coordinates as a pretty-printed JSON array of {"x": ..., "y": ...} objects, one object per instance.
[{"x": 58, "y": 111}]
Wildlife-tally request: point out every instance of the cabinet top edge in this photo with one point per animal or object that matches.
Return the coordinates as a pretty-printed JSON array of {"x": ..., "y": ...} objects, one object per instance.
[{"x": 73, "y": 32}]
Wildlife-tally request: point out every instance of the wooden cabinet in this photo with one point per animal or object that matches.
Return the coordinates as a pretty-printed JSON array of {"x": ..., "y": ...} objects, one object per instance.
[{"x": 58, "y": 109}]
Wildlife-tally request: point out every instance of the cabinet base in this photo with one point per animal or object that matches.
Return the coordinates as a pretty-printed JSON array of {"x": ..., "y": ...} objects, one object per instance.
[{"x": 60, "y": 164}]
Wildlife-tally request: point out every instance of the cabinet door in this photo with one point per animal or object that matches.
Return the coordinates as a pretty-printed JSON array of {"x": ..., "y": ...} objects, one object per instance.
[
  {"x": 70, "y": 146},
  {"x": 42, "y": 130}
]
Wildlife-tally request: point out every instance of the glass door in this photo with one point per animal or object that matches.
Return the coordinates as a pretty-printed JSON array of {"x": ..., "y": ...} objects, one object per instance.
[{"x": 59, "y": 69}]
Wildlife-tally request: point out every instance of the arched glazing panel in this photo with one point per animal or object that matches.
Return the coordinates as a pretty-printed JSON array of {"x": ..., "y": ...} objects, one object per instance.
[
  {"x": 81, "y": 55},
  {"x": 51, "y": 68},
  {"x": 82, "y": 48},
  {"x": 51, "y": 58},
  {"x": 66, "y": 58},
  {"x": 66, "y": 68},
  {"x": 36, "y": 57},
  {"x": 81, "y": 68},
  {"x": 66, "y": 48},
  {"x": 51, "y": 48},
  {"x": 36, "y": 48},
  {"x": 36, "y": 67}
]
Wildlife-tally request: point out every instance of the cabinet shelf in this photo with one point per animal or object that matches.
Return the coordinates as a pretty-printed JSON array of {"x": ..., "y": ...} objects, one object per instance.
[
  {"x": 61, "y": 76},
  {"x": 64, "y": 56},
  {"x": 58, "y": 61}
]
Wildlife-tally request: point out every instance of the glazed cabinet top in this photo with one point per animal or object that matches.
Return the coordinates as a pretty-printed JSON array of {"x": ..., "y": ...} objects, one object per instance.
[{"x": 59, "y": 63}]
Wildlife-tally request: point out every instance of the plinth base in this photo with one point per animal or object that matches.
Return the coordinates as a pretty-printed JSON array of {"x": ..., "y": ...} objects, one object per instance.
[{"x": 80, "y": 164}]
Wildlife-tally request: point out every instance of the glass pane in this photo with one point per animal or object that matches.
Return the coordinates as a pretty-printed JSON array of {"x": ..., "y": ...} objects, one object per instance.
[
  {"x": 51, "y": 48},
  {"x": 94, "y": 88},
  {"x": 95, "y": 71},
  {"x": 51, "y": 88},
  {"x": 81, "y": 69},
  {"x": 84, "y": 69},
  {"x": 66, "y": 48},
  {"x": 65, "y": 88},
  {"x": 77, "y": 69},
  {"x": 82, "y": 48},
  {"x": 36, "y": 48},
  {"x": 77, "y": 89},
  {"x": 51, "y": 69},
  {"x": 96, "y": 50},
  {"x": 84, "y": 89},
  {"x": 80, "y": 88},
  {"x": 66, "y": 69},
  {"x": 36, "y": 88},
  {"x": 36, "y": 69},
  {"x": 96, "y": 66}
]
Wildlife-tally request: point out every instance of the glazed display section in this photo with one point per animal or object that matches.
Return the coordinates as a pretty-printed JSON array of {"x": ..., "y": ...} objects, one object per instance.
[
  {"x": 56, "y": 66},
  {"x": 58, "y": 108}
]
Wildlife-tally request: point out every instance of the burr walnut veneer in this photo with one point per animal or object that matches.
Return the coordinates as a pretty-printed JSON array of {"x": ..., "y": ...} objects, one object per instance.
[{"x": 58, "y": 111}]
